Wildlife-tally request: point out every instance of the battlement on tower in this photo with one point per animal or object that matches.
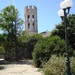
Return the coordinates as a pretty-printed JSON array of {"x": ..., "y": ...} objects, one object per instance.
[{"x": 30, "y": 9}]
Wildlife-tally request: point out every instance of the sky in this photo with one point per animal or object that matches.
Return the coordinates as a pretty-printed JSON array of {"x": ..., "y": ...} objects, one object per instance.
[{"x": 47, "y": 11}]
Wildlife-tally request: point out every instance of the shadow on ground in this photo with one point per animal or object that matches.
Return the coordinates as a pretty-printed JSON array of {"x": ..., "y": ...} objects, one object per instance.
[
  {"x": 28, "y": 62},
  {"x": 3, "y": 62},
  {"x": 1, "y": 67}
]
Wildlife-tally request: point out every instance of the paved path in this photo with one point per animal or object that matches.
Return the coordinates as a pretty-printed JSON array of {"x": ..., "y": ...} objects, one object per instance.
[{"x": 20, "y": 68}]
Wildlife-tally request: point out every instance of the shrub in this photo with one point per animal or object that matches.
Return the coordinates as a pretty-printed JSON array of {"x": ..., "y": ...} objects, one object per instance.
[
  {"x": 72, "y": 60},
  {"x": 2, "y": 51},
  {"x": 38, "y": 55},
  {"x": 47, "y": 47},
  {"x": 57, "y": 66}
]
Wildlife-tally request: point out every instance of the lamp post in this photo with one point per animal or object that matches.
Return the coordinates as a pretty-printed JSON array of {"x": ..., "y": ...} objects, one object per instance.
[{"x": 65, "y": 9}]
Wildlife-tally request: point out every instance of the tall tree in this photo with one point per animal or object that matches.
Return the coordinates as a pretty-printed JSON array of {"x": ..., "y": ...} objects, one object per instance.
[
  {"x": 28, "y": 43},
  {"x": 11, "y": 24}
]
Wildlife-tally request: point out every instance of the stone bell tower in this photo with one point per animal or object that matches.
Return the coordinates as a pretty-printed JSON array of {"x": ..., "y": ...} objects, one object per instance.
[{"x": 30, "y": 14}]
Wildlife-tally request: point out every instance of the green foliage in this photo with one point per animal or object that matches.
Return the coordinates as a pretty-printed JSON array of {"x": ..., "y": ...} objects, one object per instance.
[
  {"x": 10, "y": 24},
  {"x": 57, "y": 66},
  {"x": 9, "y": 18},
  {"x": 72, "y": 65},
  {"x": 60, "y": 30},
  {"x": 46, "y": 47},
  {"x": 1, "y": 39},
  {"x": 28, "y": 42},
  {"x": 2, "y": 51},
  {"x": 31, "y": 43},
  {"x": 23, "y": 37}
]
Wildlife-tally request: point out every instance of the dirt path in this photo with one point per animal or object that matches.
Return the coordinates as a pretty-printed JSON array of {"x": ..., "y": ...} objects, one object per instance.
[{"x": 20, "y": 68}]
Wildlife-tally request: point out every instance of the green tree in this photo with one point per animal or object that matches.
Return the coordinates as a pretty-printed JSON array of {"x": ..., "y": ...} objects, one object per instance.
[
  {"x": 60, "y": 30},
  {"x": 28, "y": 43},
  {"x": 23, "y": 44},
  {"x": 23, "y": 37},
  {"x": 11, "y": 24},
  {"x": 31, "y": 43}
]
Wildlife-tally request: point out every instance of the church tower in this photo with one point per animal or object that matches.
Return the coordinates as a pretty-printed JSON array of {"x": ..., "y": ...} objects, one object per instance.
[{"x": 30, "y": 14}]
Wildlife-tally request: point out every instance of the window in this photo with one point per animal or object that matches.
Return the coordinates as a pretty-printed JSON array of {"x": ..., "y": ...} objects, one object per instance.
[
  {"x": 33, "y": 26},
  {"x": 28, "y": 25},
  {"x": 32, "y": 17},
  {"x": 28, "y": 17}
]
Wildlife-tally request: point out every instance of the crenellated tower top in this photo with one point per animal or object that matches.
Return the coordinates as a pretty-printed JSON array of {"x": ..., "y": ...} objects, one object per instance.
[{"x": 29, "y": 9}]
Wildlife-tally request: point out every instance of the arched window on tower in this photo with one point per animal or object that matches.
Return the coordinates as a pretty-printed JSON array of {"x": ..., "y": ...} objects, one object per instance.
[
  {"x": 32, "y": 17},
  {"x": 28, "y": 25},
  {"x": 28, "y": 17},
  {"x": 33, "y": 26}
]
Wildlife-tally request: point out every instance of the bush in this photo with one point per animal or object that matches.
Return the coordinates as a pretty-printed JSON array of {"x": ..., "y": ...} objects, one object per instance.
[
  {"x": 47, "y": 47},
  {"x": 38, "y": 55},
  {"x": 72, "y": 60},
  {"x": 2, "y": 51},
  {"x": 57, "y": 66}
]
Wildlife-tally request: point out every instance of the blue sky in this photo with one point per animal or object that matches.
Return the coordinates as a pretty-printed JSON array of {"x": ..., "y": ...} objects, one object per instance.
[{"x": 47, "y": 11}]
